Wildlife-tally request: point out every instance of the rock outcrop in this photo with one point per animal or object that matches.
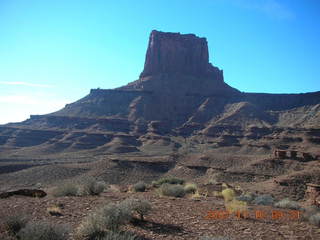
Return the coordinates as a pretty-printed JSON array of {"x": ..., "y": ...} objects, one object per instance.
[
  {"x": 179, "y": 64},
  {"x": 172, "y": 53}
]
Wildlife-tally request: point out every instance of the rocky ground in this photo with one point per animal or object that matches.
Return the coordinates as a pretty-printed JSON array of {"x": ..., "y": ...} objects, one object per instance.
[{"x": 170, "y": 218}]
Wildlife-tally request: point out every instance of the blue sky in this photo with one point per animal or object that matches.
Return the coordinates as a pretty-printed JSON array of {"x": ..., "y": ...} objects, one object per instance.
[{"x": 54, "y": 52}]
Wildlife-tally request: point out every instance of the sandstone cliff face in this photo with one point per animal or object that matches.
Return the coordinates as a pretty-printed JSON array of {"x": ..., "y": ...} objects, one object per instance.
[
  {"x": 170, "y": 53},
  {"x": 178, "y": 64}
]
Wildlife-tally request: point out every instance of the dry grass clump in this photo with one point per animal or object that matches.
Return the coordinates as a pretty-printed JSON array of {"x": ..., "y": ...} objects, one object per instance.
[
  {"x": 233, "y": 205},
  {"x": 55, "y": 210},
  {"x": 288, "y": 204},
  {"x": 139, "y": 187},
  {"x": 43, "y": 231},
  {"x": 236, "y": 206},
  {"x": 190, "y": 188},
  {"x": 172, "y": 190},
  {"x": 14, "y": 223},
  {"x": 228, "y": 194},
  {"x": 196, "y": 195},
  {"x": 168, "y": 180}
]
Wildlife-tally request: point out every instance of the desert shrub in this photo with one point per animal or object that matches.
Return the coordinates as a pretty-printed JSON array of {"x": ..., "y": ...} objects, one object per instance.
[
  {"x": 215, "y": 238},
  {"x": 14, "y": 223},
  {"x": 66, "y": 189},
  {"x": 169, "y": 180},
  {"x": 228, "y": 194},
  {"x": 90, "y": 186},
  {"x": 139, "y": 187},
  {"x": 43, "y": 231},
  {"x": 109, "y": 217},
  {"x": 190, "y": 188},
  {"x": 172, "y": 190},
  {"x": 91, "y": 227},
  {"x": 140, "y": 206},
  {"x": 287, "y": 203},
  {"x": 119, "y": 236},
  {"x": 264, "y": 199},
  {"x": 247, "y": 197},
  {"x": 38, "y": 186},
  {"x": 115, "y": 215},
  {"x": 315, "y": 219},
  {"x": 233, "y": 205}
]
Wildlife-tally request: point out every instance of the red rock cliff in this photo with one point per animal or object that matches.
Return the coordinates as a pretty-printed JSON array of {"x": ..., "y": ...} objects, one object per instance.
[{"x": 178, "y": 53}]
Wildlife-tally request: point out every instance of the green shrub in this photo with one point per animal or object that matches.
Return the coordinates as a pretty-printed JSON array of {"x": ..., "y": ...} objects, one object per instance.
[
  {"x": 43, "y": 231},
  {"x": 265, "y": 199},
  {"x": 13, "y": 224},
  {"x": 109, "y": 217},
  {"x": 91, "y": 227},
  {"x": 139, "y": 187},
  {"x": 190, "y": 188},
  {"x": 315, "y": 219},
  {"x": 172, "y": 190},
  {"x": 169, "y": 180},
  {"x": 247, "y": 197},
  {"x": 140, "y": 206},
  {"x": 115, "y": 215},
  {"x": 66, "y": 189},
  {"x": 90, "y": 186},
  {"x": 287, "y": 203}
]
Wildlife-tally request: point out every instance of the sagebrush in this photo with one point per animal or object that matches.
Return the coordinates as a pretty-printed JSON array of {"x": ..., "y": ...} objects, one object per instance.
[
  {"x": 43, "y": 231},
  {"x": 139, "y": 187},
  {"x": 288, "y": 204},
  {"x": 14, "y": 223},
  {"x": 172, "y": 190},
  {"x": 264, "y": 199},
  {"x": 90, "y": 186}
]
